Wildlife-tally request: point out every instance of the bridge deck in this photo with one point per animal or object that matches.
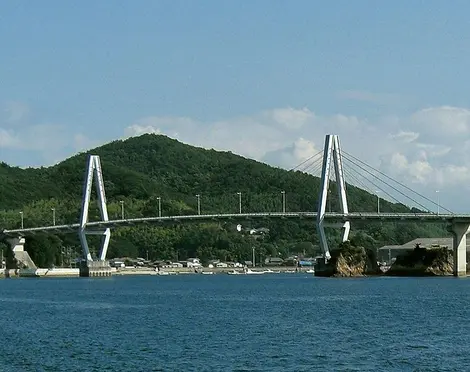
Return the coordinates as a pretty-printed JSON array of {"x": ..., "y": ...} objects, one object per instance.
[{"x": 329, "y": 217}]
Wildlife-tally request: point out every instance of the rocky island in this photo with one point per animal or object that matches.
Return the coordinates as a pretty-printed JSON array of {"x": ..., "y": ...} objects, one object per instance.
[
  {"x": 420, "y": 261},
  {"x": 349, "y": 260}
]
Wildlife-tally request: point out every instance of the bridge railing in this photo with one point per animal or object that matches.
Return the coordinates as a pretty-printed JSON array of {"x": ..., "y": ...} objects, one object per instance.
[{"x": 333, "y": 216}]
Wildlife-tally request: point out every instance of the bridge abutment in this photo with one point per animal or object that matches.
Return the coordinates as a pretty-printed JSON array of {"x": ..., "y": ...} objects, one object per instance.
[
  {"x": 21, "y": 256},
  {"x": 17, "y": 243},
  {"x": 460, "y": 231}
]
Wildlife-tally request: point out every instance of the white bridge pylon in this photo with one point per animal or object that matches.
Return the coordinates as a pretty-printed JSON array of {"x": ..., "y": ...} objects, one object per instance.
[
  {"x": 331, "y": 153},
  {"x": 94, "y": 171}
]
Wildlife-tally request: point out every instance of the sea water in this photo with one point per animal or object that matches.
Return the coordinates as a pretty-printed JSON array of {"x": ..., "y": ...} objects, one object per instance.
[{"x": 271, "y": 322}]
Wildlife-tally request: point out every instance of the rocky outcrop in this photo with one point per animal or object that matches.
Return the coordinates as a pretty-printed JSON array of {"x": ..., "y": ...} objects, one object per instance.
[
  {"x": 424, "y": 262},
  {"x": 349, "y": 261}
]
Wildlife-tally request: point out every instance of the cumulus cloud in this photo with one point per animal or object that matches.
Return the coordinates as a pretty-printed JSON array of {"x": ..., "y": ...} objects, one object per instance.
[
  {"x": 290, "y": 117},
  {"x": 445, "y": 121},
  {"x": 25, "y": 143},
  {"x": 405, "y": 136},
  {"x": 426, "y": 150},
  {"x": 15, "y": 112},
  {"x": 290, "y": 156}
]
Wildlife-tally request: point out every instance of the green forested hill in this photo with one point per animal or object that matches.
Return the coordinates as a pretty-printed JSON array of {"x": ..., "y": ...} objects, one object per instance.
[{"x": 140, "y": 169}]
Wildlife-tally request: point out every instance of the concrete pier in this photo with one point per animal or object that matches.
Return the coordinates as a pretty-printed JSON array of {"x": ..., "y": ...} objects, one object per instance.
[
  {"x": 460, "y": 230},
  {"x": 95, "y": 269}
]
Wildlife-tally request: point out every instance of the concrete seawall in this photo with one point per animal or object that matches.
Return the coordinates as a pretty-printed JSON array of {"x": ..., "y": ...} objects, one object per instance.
[
  {"x": 72, "y": 272},
  {"x": 189, "y": 270}
]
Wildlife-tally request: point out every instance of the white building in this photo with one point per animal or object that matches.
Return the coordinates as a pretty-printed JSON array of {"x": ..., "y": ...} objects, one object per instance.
[{"x": 193, "y": 262}]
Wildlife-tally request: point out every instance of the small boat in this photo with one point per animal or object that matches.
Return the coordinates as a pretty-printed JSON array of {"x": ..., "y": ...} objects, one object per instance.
[
  {"x": 233, "y": 272},
  {"x": 311, "y": 271},
  {"x": 163, "y": 273},
  {"x": 269, "y": 271},
  {"x": 250, "y": 272},
  {"x": 207, "y": 272}
]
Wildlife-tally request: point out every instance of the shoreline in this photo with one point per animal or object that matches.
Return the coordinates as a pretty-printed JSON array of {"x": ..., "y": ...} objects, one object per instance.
[{"x": 75, "y": 272}]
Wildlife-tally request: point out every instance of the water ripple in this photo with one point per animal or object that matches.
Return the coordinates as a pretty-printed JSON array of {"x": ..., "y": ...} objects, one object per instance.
[{"x": 223, "y": 323}]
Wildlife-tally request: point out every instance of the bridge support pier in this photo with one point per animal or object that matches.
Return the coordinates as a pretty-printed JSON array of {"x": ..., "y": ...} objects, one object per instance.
[
  {"x": 94, "y": 171},
  {"x": 460, "y": 231},
  {"x": 331, "y": 158},
  {"x": 95, "y": 269}
]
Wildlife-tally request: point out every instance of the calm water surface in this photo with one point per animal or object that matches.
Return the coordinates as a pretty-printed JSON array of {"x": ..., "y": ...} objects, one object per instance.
[{"x": 284, "y": 322}]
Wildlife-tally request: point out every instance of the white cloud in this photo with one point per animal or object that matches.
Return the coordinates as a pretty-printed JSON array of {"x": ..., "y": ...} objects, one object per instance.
[
  {"x": 405, "y": 136},
  {"x": 33, "y": 144},
  {"x": 15, "y": 112},
  {"x": 447, "y": 122},
  {"x": 426, "y": 150},
  {"x": 290, "y": 117},
  {"x": 8, "y": 139},
  {"x": 290, "y": 156}
]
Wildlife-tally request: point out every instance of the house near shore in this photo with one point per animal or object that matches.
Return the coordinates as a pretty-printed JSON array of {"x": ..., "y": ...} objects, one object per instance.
[
  {"x": 193, "y": 262},
  {"x": 273, "y": 261}
]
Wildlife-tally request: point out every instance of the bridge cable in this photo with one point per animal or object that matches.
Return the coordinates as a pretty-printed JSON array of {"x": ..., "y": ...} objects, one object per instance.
[
  {"x": 401, "y": 184},
  {"x": 317, "y": 170},
  {"x": 358, "y": 183},
  {"x": 316, "y": 164},
  {"x": 358, "y": 178},
  {"x": 392, "y": 187},
  {"x": 374, "y": 184},
  {"x": 306, "y": 160},
  {"x": 304, "y": 168}
]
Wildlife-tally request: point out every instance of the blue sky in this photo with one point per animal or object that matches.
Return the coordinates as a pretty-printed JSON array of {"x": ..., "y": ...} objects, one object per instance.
[{"x": 75, "y": 74}]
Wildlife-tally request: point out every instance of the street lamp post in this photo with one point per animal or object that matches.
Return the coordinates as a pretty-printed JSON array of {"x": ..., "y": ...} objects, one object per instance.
[
  {"x": 438, "y": 204},
  {"x": 329, "y": 199},
  {"x": 283, "y": 201},
  {"x": 122, "y": 209},
  {"x": 239, "y": 202},
  {"x": 198, "y": 203},
  {"x": 378, "y": 201},
  {"x": 22, "y": 220},
  {"x": 53, "y": 216},
  {"x": 159, "y": 206}
]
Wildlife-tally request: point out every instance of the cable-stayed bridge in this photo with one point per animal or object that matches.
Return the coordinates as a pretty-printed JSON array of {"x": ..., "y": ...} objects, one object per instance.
[{"x": 340, "y": 173}]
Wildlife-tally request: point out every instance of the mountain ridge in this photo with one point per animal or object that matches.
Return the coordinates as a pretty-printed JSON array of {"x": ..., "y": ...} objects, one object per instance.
[{"x": 139, "y": 170}]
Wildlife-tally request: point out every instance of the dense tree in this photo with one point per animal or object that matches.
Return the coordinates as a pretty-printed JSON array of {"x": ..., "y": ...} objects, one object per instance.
[{"x": 140, "y": 170}]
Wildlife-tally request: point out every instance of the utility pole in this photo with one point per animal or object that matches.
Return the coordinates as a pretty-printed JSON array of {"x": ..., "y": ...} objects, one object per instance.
[
  {"x": 22, "y": 220},
  {"x": 239, "y": 202},
  {"x": 53, "y": 216}
]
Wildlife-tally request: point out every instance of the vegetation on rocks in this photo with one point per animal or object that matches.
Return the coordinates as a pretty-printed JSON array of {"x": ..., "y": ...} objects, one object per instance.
[
  {"x": 139, "y": 170},
  {"x": 423, "y": 262},
  {"x": 349, "y": 260}
]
